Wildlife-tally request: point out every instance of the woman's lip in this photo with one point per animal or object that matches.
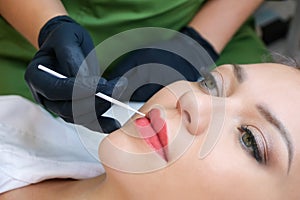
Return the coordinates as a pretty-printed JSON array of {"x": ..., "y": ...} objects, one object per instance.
[
  {"x": 153, "y": 129},
  {"x": 159, "y": 125}
]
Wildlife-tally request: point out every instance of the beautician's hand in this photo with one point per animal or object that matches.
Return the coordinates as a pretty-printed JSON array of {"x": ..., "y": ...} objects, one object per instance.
[
  {"x": 158, "y": 56},
  {"x": 64, "y": 45}
]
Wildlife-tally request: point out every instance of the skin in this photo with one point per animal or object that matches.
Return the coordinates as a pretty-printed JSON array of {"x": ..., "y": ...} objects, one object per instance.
[
  {"x": 228, "y": 171},
  {"x": 28, "y": 17},
  {"x": 229, "y": 11}
]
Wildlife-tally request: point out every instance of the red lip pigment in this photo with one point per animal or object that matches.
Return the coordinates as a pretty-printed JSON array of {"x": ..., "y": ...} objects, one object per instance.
[{"x": 153, "y": 129}]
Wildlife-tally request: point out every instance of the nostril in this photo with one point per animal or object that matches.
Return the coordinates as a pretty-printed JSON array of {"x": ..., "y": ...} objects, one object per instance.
[
  {"x": 178, "y": 107},
  {"x": 187, "y": 116}
]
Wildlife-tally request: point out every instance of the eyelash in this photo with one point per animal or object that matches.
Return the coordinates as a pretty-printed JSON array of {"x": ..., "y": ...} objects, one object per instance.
[{"x": 253, "y": 144}]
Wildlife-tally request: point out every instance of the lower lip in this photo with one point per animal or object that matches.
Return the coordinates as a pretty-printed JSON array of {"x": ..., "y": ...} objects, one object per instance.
[{"x": 154, "y": 131}]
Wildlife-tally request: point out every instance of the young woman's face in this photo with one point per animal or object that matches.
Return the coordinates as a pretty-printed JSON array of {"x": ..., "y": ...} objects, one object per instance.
[{"x": 242, "y": 144}]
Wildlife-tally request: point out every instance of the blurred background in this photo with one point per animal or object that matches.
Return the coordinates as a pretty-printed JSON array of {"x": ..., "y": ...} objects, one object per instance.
[{"x": 278, "y": 23}]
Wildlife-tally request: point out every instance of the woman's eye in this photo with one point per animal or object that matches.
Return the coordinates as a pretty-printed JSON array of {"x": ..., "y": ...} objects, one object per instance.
[
  {"x": 210, "y": 86},
  {"x": 252, "y": 144}
]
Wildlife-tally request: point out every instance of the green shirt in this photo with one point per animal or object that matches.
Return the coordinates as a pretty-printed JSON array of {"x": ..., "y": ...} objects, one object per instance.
[{"x": 105, "y": 18}]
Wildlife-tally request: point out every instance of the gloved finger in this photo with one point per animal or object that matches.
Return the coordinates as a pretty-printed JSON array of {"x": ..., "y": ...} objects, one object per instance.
[
  {"x": 90, "y": 66},
  {"x": 86, "y": 43},
  {"x": 85, "y": 111},
  {"x": 72, "y": 53},
  {"x": 53, "y": 88},
  {"x": 108, "y": 124},
  {"x": 84, "y": 102},
  {"x": 40, "y": 58},
  {"x": 87, "y": 119},
  {"x": 64, "y": 45},
  {"x": 114, "y": 87},
  {"x": 91, "y": 61},
  {"x": 41, "y": 82},
  {"x": 94, "y": 106},
  {"x": 49, "y": 86},
  {"x": 60, "y": 108},
  {"x": 100, "y": 124},
  {"x": 70, "y": 58},
  {"x": 64, "y": 99},
  {"x": 30, "y": 74},
  {"x": 79, "y": 109}
]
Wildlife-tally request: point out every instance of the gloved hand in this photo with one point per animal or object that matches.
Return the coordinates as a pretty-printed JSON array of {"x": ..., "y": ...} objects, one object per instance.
[
  {"x": 64, "y": 45},
  {"x": 155, "y": 54}
]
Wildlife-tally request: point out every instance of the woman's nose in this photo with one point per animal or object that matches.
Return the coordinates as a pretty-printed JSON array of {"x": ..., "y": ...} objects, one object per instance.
[{"x": 195, "y": 108}]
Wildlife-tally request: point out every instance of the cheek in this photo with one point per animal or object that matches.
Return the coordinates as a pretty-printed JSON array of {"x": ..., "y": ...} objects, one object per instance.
[
  {"x": 202, "y": 178},
  {"x": 225, "y": 172}
]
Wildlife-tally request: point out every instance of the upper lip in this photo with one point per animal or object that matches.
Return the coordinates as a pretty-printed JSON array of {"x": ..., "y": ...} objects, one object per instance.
[{"x": 153, "y": 129}]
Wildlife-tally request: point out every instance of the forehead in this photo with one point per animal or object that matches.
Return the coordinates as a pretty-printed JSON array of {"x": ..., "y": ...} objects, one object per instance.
[
  {"x": 268, "y": 76},
  {"x": 274, "y": 72},
  {"x": 264, "y": 70},
  {"x": 278, "y": 87},
  {"x": 276, "y": 81},
  {"x": 275, "y": 85}
]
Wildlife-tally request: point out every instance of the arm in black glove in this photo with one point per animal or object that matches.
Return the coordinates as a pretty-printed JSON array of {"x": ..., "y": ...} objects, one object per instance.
[
  {"x": 152, "y": 62},
  {"x": 64, "y": 46}
]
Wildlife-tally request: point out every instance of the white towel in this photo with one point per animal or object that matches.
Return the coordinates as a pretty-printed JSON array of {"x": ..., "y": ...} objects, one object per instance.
[{"x": 35, "y": 146}]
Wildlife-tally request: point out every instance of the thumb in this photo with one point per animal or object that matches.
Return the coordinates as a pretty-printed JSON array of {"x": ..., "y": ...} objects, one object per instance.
[
  {"x": 114, "y": 88},
  {"x": 104, "y": 125}
]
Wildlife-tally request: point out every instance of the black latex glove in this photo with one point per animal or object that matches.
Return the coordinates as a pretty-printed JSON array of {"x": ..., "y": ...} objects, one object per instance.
[
  {"x": 64, "y": 45},
  {"x": 152, "y": 55}
]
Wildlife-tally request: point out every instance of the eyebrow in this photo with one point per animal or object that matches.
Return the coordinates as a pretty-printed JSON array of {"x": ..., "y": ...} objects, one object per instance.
[
  {"x": 265, "y": 112},
  {"x": 240, "y": 75}
]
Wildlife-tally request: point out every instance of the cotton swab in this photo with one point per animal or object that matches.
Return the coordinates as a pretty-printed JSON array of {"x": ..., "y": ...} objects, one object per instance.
[{"x": 99, "y": 94}]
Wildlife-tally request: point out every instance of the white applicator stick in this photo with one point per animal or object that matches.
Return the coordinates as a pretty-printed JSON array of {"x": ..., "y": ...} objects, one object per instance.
[{"x": 99, "y": 94}]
